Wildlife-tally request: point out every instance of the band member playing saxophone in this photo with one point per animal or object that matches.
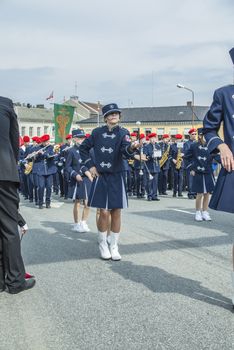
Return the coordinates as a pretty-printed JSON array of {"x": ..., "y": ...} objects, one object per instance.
[
  {"x": 164, "y": 164},
  {"x": 177, "y": 165}
]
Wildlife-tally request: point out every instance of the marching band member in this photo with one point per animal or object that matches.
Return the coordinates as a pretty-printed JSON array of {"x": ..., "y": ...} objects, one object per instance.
[
  {"x": 63, "y": 156},
  {"x": 189, "y": 178},
  {"x": 139, "y": 168},
  {"x": 109, "y": 143},
  {"x": 45, "y": 170},
  {"x": 153, "y": 153},
  {"x": 222, "y": 111},
  {"x": 164, "y": 164},
  {"x": 27, "y": 150},
  {"x": 203, "y": 180},
  {"x": 177, "y": 165},
  {"x": 80, "y": 182}
]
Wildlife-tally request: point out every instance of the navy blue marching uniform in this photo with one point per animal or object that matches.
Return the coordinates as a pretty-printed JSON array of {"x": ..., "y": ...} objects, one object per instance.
[
  {"x": 163, "y": 175},
  {"x": 221, "y": 110},
  {"x": 152, "y": 169},
  {"x": 178, "y": 172},
  {"x": 45, "y": 170},
  {"x": 201, "y": 163},
  {"x": 108, "y": 189},
  {"x": 76, "y": 189},
  {"x": 189, "y": 178}
]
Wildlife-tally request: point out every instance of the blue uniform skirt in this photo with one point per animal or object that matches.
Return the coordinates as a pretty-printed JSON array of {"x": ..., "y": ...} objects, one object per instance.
[
  {"x": 79, "y": 190},
  {"x": 108, "y": 191},
  {"x": 203, "y": 183},
  {"x": 223, "y": 195}
]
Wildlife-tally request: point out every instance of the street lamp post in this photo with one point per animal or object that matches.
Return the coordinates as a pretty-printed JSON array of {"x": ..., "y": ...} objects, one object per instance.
[
  {"x": 186, "y": 88},
  {"x": 98, "y": 114}
]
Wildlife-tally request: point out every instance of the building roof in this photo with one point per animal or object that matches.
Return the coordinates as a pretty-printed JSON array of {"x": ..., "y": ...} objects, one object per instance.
[{"x": 157, "y": 115}]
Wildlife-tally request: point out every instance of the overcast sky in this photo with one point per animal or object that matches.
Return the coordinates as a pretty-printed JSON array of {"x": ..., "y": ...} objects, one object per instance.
[{"x": 132, "y": 52}]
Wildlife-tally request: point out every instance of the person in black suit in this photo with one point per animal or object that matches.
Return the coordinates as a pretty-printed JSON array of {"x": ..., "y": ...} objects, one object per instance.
[{"x": 12, "y": 269}]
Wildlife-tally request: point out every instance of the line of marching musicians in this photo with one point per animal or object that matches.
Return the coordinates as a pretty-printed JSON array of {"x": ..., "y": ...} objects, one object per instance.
[{"x": 158, "y": 166}]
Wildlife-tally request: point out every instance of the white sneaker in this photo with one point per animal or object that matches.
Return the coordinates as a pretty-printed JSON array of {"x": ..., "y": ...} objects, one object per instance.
[
  {"x": 78, "y": 228},
  {"x": 198, "y": 216},
  {"x": 114, "y": 246},
  {"x": 103, "y": 246},
  {"x": 84, "y": 226},
  {"x": 206, "y": 216}
]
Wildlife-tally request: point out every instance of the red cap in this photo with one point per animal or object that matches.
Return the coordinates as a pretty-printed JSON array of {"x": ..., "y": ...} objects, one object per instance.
[
  {"x": 133, "y": 134},
  {"x": 192, "y": 130},
  {"x": 87, "y": 135},
  {"x": 147, "y": 138},
  {"x": 68, "y": 137},
  {"x": 165, "y": 136},
  {"x": 35, "y": 138},
  {"x": 26, "y": 138},
  {"x": 153, "y": 134},
  {"x": 179, "y": 136},
  {"x": 45, "y": 138},
  {"x": 142, "y": 136}
]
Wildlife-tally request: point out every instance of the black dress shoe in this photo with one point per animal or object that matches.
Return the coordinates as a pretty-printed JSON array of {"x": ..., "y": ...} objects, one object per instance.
[
  {"x": 174, "y": 194},
  {"x": 28, "y": 284},
  {"x": 2, "y": 289},
  {"x": 48, "y": 206},
  {"x": 149, "y": 199},
  {"x": 165, "y": 193},
  {"x": 155, "y": 199},
  {"x": 180, "y": 195},
  {"x": 40, "y": 207}
]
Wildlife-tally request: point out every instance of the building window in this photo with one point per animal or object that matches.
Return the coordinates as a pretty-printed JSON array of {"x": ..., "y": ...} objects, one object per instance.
[
  {"x": 186, "y": 134},
  {"x": 46, "y": 128},
  {"x": 38, "y": 131},
  {"x": 23, "y": 131},
  {"x": 160, "y": 132},
  {"x": 148, "y": 131},
  {"x": 30, "y": 131},
  {"x": 173, "y": 131}
]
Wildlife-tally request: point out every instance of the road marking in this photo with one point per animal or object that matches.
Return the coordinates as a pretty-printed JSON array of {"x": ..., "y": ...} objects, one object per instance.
[{"x": 183, "y": 211}]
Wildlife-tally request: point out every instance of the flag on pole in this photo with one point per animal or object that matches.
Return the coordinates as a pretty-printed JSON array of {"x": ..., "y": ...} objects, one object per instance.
[
  {"x": 50, "y": 96},
  {"x": 63, "y": 117}
]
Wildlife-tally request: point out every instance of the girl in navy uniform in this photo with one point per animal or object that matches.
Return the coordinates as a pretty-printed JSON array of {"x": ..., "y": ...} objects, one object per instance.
[
  {"x": 109, "y": 143},
  {"x": 80, "y": 182},
  {"x": 200, "y": 166},
  {"x": 222, "y": 110}
]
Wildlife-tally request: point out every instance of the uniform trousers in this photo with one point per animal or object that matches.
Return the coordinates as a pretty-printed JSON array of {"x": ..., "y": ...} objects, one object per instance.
[
  {"x": 178, "y": 180},
  {"x": 45, "y": 182},
  {"x": 11, "y": 262},
  {"x": 152, "y": 185},
  {"x": 162, "y": 181}
]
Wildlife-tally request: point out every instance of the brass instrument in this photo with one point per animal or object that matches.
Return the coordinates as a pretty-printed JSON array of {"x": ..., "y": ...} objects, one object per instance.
[
  {"x": 179, "y": 159},
  {"x": 29, "y": 165},
  {"x": 57, "y": 149},
  {"x": 165, "y": 156}
]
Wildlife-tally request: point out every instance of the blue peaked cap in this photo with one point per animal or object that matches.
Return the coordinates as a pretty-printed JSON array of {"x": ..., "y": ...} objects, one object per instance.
[
  {"x": 110, "y": 108},
  {"x": 78, "y": 133}
]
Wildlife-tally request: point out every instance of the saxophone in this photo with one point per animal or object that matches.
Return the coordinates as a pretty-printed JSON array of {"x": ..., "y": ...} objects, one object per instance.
[
  {"x": 165, "y": 156},
  {"x": 179, "y": 159}
]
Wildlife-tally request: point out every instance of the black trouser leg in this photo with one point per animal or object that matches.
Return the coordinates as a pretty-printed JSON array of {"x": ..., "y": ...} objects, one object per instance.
[{"x": 11, "y": 250}]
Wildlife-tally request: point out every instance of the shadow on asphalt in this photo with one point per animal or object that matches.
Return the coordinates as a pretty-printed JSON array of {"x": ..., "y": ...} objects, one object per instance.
[{"x": 160, "y": 281}]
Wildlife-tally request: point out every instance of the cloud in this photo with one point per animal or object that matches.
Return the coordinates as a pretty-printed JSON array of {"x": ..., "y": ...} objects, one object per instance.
[{"x": 111, "y": 48}]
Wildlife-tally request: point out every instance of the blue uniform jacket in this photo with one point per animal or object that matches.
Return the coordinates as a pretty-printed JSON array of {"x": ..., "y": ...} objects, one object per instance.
[
  {"x": 152, "y": 162},
  {"x": 73, "y": 163},
  {"x": 109, "y": 146},
  {"x": 200, "y": 159},
  {"x": 221, "y": 110},
  {"x": 45, "y": 163},
  {"x": 174, "y": 153}
]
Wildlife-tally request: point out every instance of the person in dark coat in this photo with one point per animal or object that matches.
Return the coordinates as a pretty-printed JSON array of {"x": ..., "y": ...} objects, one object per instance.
[
  {"x": 165, "y": 165},
  {"x": 177, "y": 165},
  {"x": 189, "y": 178},
  {"x": 222, "y": 111},
  {"x": 200, "y": 167},
  {"x": 80, "y": 181},
  {"x": 12, "y": 271},
  {"x": 108, "y": 192}
]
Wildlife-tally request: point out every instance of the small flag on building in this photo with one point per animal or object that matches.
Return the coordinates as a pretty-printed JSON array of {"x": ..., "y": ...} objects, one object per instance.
[{"x": 50, "y": 96}]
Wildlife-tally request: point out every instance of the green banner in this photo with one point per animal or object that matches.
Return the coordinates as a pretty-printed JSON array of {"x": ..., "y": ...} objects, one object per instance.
[{"x": 63, "y": 116}]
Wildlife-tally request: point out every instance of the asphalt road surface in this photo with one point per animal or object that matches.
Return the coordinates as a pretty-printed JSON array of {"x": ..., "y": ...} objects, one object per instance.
[{"x": 171, "y": 290}]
